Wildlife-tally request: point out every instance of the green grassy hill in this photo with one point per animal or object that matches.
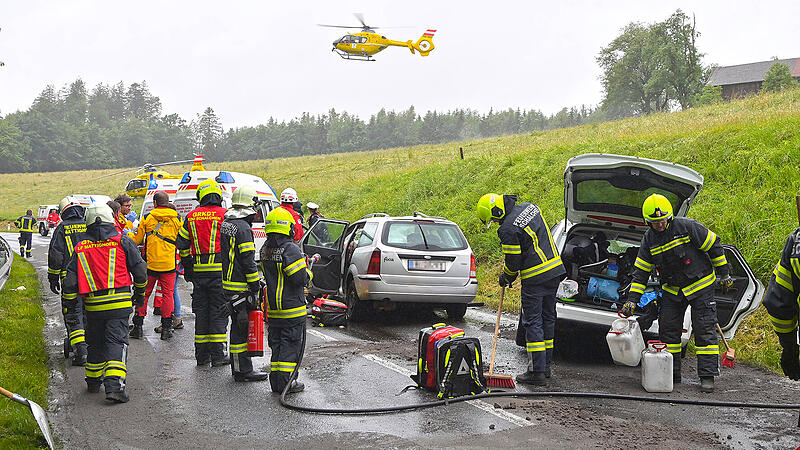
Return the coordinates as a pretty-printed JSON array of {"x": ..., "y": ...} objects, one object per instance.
[{"x": 748, "y": 151}]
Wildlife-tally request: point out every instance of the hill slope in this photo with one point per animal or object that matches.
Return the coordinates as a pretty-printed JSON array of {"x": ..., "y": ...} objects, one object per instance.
[{"x": 748, "y": 151}]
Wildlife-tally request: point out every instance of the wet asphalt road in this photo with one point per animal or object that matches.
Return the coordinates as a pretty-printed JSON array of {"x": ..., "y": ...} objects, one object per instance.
[{"x": 175, "y": 404}]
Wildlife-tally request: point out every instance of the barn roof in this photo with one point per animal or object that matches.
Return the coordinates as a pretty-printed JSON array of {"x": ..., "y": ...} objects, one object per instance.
[{"x": 747, "y": 73}]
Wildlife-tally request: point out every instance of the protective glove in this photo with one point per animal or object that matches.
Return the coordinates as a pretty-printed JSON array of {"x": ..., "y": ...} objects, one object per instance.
[
  {"x": 627, "y": 308},
  {"x": 506, "y": 280},
  {"x": 138, "y": 299},
  {"x": 790, "y": 361},
  {"x": 55, "y": 286},
  {"x": 254, "y": 287},
  {"x": 725, "y": 284}
]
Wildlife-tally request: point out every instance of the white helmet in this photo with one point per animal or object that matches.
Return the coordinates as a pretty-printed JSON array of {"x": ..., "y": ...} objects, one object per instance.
[
  {"x": 68, "y": 202},
  {"x": 288, "y": 195},
  {"x": 99, "y": 211},
  {"x": 312, "y": 205}
]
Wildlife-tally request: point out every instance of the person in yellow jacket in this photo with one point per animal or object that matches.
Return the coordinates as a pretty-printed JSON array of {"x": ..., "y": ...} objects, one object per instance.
[{"x": 158, "y": 232}]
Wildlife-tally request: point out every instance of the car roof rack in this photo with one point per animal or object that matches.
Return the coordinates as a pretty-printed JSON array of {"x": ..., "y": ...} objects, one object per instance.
[
  {"x": 420, "y": 214},
  {"x": 374, "y": 215}
]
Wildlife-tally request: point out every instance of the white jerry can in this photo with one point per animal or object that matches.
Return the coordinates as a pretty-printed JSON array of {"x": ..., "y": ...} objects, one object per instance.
[
  {"x": 656, "y": 367},
  {"x": 625, "y": 342}
]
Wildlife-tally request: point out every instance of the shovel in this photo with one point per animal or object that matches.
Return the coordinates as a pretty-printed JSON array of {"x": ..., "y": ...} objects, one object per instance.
[
  {"x": 729, "y": 359},
  {"x": 38, "y": 414}
]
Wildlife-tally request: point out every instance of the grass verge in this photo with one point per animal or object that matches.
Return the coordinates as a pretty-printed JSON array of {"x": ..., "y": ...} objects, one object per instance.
[{"x": 23, "y": 358}]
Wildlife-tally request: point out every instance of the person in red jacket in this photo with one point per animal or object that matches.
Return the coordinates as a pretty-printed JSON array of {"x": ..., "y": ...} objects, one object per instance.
[{"x": 288, "y": 199}]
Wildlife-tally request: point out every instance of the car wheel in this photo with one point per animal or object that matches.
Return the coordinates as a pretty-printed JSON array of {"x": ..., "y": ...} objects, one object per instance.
[
  {"x": 43, "y": 229},
  {"x": 456, "y": 312},
  {"x": 354, "y": 305}
]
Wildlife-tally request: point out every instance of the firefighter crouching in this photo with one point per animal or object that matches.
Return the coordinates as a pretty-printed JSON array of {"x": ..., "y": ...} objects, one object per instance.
[
  {"x": 530, "y": 253},
  {"x": 239, "y": 277},
  {"x": 26, "y": 225},
  {"x": 199, "y": 245},
  {"x": 286, "y": 273},
  {"x": 100, "y": 272},
  {"x": 691, "y": 262},
  {"x": 782, "y": 304},
  {"x": 66, "y": 236}
]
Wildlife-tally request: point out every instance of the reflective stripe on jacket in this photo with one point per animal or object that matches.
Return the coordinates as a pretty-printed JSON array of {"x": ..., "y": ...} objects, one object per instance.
[
  {"x": 102, "y": 265},
  {"x": 26, "y": 224},
  {"x": 62, "y": 245},
  {"x": 200, "y": 237},
  {"x": 238, "y": 255},
  {"x": 286, "y": 274},
  {"x": 781, "y": 299}
]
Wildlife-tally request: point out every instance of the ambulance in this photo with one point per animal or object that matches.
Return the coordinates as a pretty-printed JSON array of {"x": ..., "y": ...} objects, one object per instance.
[{"x": 46, "y": 223}]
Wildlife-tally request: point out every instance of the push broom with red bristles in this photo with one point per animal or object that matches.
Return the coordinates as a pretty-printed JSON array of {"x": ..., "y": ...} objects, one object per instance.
[
  {"x": 729, "y": 358},
  {"x": 494, "y": 379}
]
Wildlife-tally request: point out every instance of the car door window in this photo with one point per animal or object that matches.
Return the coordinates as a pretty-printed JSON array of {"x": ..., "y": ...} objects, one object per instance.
[
  {"x": 367, "y": 234},
  {"x": 325, "y": 234}
]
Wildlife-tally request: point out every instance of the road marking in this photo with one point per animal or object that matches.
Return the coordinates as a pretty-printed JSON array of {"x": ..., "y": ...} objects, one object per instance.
[{"x": 320, "y": 335}]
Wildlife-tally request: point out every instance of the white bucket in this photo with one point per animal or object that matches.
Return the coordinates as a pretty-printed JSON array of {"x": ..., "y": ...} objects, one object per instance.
[
  {"x": 656, "y": 367},
  {"x": 625, "y": 342}
]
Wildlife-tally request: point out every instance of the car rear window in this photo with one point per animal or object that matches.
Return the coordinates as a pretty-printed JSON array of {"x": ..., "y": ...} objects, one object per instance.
[
  {"x": 599, "y": 192},
  {"x": 423, "y": 235}
]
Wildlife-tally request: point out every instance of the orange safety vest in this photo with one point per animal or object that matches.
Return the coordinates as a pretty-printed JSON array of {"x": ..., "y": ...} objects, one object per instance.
[{"x": 103, "y": 265}]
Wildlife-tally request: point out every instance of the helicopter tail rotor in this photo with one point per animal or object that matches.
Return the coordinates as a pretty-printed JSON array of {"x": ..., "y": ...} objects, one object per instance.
[{"x": 424, "y": 44}]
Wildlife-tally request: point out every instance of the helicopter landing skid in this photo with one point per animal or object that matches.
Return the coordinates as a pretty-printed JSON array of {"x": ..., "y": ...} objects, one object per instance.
[{"x": 353, "y": 56}]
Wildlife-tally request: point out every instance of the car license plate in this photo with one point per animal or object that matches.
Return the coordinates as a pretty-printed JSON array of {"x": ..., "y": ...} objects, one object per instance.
[{"x": 434, "y": 266}]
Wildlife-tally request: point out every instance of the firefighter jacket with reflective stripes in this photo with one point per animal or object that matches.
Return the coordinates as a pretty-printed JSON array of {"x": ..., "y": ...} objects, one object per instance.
[
  {"x": 286, "y": 274},
  {"x": 686, "y": 254},
  {"x": 527, "y": 243},
  {"x": 238, "y": 255},
  {"x": 26, "y": 223},
  {"x": 158, "y": 231},
  {"x": 781, "y": 300},
  {"x": 67, "y": 234},
  {"x": 199, "y": 241},
  {"x": 100, "y": 271}
]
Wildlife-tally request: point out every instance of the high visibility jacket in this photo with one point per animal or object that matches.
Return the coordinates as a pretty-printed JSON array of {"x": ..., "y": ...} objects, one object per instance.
[
  {"x": 781, "y": 300},
  {"x": 123, "y": 224},
  {"x": 688, "y": 257},
  {"x": 100, "y": 271},
  {"x": 527, "y": 243},
  {"x": 67, "y": 234},
  {"x": 26, "y": 223},
  {"x": 238, "y": 255},
  {"x": 286, "y": 274},
  {"x": 160, "y": 229},
  {"x": 298, "y": 222},
  {"x": 199, "y": 238}
]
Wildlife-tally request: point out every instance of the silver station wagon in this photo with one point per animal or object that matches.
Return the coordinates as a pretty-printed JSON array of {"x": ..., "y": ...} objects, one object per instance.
[{"x": 380, "y": 260}]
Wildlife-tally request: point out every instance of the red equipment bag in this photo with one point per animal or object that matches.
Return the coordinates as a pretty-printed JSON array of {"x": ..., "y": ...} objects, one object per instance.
[
  {"x": 326, "y": 313},
  {"x": 426, "y": 353}
]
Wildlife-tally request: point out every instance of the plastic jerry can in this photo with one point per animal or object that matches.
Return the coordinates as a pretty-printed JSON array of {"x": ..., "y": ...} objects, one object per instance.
[
  {"x": 656, "y": 367},
  {"x": 625, "y": 341}
]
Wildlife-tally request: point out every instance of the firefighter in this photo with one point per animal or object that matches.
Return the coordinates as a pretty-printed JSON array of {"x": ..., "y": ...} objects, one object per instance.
[
  {"x": 199, "y": 245},
  {"x": 315, "y": 215},
  {"x": 782, "y": 304},
  {"x": 159, "y": 228},
  {"x": 240, "y": 277},
  {"x": 26, "y": 225},
  {"x": 288, "y": 200},
  {"x": 100, "y": 272},
  {"x": 286, "y": 273},
  {"x": 530, "y": 253},
  {"x": 67, "y": 234},
  {"x": 691, "y": 262}
]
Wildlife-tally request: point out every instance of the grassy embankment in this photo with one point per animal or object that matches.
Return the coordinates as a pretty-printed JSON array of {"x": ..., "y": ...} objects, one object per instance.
[
  {"x": 748, "y": 151},
  {"x": 23, "y": 359}
]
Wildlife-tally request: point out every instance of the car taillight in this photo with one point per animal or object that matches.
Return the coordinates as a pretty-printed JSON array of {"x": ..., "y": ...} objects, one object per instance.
[
  {"x": 473, "y": 266},
  {"x": 374, "y": 267}
]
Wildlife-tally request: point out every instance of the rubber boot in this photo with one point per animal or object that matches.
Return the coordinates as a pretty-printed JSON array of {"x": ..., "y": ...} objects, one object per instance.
[
  {"x": 93, "y": 387},
  {"x": 79, "y": 358},
  {"x": 296, "y": 386},
  {"x": 251, "y": 376},
  {"x": 117, "y": 396},
  {"x": 137, "y": 332},
  {"x": 531, "y": 377},
  {"x": 707, "y": 384},
  {"x": 177, "y": 323},
  {"x": 166, "y": 328}
]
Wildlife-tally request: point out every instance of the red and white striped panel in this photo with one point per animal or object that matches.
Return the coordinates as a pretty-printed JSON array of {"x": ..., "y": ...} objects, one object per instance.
[{"x": 429, "y": 33}]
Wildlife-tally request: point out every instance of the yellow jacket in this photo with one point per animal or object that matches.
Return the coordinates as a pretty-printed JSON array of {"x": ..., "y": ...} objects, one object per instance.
[{"x": 161, "y": 222}]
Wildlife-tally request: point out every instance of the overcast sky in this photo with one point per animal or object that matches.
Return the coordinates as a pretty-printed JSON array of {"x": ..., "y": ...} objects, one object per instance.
[{"x": 250, "y": 60}]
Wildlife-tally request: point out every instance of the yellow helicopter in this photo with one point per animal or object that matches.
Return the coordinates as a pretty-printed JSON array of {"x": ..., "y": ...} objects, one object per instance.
[
  {"x": 148, "y": 175},
  {"x": 363, "y": 45}
]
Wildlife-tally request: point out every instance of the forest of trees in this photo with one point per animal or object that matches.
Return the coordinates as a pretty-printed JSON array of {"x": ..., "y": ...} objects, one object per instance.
[{"x": 123, "y": 126}]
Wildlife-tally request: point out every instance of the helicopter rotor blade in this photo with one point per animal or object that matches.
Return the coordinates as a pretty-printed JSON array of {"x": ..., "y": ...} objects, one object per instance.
[
  {"x": 360, "y": 18},
  {"x": 337, "y": 26},
  {"x": 115, "y": 173},
  {"x": 172, "y": 162}
]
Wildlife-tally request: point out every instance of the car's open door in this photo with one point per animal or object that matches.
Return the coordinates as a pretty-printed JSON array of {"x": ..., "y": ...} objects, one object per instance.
[
  {"x": 745, "y": 297},
  {"x": 325, "y": 238}
]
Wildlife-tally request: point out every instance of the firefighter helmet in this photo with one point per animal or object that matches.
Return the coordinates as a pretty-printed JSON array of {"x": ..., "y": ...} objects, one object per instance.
[
  {"x": 490, "y": 207},
  {"x": 279, "y": 221},
  {"x": 68, "y": 202},
  {"x": 208, "y": 187},
  {"x": 288, "y": 195},
  {"x": 656, "y": 207},
  {"x": 243, "y": 202},
  {"x": 99, "y": 212}
]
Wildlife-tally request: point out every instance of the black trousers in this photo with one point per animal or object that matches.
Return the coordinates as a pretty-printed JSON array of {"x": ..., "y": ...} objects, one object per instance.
[
  {"x": 211, "y": 319},
  {"x": 704, "y": 319},
  {"x": 240, "y": 359},
  {"x": 25, "y": 240},
  {"x": 76, "y": 327},
  {"x": 539, "y": 320},
  {"x": 286, "y": 344},
  {"x": 107, "y": 345}
]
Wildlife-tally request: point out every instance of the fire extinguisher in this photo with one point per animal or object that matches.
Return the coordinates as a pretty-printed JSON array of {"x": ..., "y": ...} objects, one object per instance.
[{"x": 255, "y": 332}]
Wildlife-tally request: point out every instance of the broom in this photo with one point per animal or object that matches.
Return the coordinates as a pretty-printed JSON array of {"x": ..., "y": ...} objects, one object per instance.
[
  {"x": 729, "y": 359},
  {"x": 494, "y": 379}
]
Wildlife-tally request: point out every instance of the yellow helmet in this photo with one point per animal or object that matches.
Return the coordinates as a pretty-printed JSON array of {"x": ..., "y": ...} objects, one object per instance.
[
  {"x": 208, "y": 187},
  {"x": 99, "y": 212},
  {"x": 279, "y": 221},
  {"x": 489, "y": 207},
  {"x": 656, "y": 207}
]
